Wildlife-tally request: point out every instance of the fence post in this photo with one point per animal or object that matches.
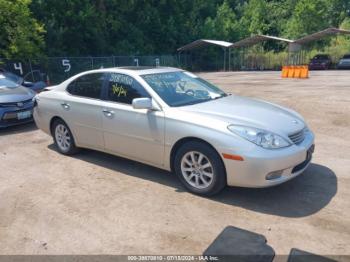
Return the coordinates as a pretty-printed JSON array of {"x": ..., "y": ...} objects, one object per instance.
[{"x": 31, "y": 70}]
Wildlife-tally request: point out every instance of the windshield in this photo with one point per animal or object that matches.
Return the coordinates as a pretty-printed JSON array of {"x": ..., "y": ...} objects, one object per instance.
[
  {"x": 6, "y": 82},
  {"x": 13, "y": 77},
  {"x": 182, "y": 88},
  {"x": 320, "y": 57},
  {"x": 346, "y": 57}
]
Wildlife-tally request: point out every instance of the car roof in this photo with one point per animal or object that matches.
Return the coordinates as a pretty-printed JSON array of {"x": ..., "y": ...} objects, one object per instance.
[{"x": 137, "y": 70}]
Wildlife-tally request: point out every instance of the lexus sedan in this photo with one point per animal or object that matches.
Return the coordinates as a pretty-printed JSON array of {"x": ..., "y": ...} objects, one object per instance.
[
  {"x": 16, "y": 103},
  {"x": 174, "y": 120}
]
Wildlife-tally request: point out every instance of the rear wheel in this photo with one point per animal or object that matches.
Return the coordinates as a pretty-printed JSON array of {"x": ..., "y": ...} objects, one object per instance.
[
  {"x": 200, "y": 168},
  {"x": 63, "y": 138}
]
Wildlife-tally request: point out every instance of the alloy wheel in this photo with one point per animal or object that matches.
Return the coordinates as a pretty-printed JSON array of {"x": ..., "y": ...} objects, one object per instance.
[
  {"x": 197, "y": 169},
  {"x": 63, "y": 138}
]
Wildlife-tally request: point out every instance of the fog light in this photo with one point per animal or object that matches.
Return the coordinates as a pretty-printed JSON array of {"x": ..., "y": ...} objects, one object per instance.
[{"x": 274, "y": 175}]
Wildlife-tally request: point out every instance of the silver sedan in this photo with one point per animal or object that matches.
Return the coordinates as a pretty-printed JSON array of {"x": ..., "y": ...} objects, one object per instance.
[{"x": 174, "y": 120}]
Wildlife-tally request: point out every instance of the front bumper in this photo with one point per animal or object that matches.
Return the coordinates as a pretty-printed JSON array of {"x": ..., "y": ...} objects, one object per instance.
[
  {"x": 258, "y": 163},
  {"x": 318, "y": 67},
  {"x": 8, "y": 115}
]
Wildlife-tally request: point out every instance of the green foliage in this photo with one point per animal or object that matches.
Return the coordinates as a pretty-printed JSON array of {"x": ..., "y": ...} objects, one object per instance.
[
  {"x": 308, "y": 16},
  {"x": 20, "y": 35},
  {"x": 223, "y": 26},
  {"x": 340, "y": 45},
  {"x": 138, "y": 27}
]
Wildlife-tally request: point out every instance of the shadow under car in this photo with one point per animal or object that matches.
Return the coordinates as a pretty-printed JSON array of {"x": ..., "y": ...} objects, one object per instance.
[{"x": 302, "y": 196}]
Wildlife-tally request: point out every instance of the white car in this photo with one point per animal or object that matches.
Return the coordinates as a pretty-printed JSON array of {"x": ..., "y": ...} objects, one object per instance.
[
  {"x": 344, "y": 63},
  {"x": 174, "y": 120}
]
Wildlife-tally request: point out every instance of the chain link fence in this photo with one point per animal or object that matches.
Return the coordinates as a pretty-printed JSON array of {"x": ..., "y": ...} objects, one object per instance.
[{"x": 54, "y": 70}]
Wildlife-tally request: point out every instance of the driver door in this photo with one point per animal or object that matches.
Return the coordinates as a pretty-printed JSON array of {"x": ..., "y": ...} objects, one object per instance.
[{"x": 129, "y": 132}]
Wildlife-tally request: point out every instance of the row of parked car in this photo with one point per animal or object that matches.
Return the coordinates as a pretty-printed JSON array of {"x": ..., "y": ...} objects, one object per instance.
[
  {"x": 16, "y": 98},
  {"x": 324, "y": 61}
]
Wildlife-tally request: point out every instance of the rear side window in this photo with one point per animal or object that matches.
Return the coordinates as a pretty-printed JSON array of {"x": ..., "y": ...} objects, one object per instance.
[
  {"x": 124, "y": 88},
  {"x": 89, "y": 85}
]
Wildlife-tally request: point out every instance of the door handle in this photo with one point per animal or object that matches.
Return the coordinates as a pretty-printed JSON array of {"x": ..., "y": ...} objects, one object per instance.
[
  {"x": 65, "y": 105},
  {"x": 108, "y": 113}
]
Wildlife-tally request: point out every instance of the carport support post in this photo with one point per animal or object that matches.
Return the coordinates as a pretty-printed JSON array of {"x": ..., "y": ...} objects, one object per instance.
[
  {"x": 229, "y": 59},
  {"x": 224, "y": 59},
  {"x": 293, "y": 53}
]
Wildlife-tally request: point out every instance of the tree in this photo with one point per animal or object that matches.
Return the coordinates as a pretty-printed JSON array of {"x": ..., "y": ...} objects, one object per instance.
[
  {"x": 21, "y": 36},
  {"x": 308, "y": 17},
  {"x": 224, "y": 26}
]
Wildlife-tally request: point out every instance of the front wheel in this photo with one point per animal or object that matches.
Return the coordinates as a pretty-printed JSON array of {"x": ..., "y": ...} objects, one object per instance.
[
  {"x": 200, "y": 168},
  {"x": 63, "y": 138}
]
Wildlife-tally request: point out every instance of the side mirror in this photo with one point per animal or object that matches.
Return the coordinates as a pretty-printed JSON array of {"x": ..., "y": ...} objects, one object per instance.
[{"x": 142, "y": 103}]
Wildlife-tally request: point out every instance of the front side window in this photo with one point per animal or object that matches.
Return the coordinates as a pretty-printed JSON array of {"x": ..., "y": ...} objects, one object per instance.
[
  {"x": 182, "y": 88},
  {"x": 89, "y": 85},
  {"x": 124, "y": 88}
]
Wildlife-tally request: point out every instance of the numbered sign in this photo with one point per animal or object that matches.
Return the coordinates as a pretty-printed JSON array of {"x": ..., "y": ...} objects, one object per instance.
[
  {"x": 18, "y": 66},
  {"x": 66, "y": 64}
]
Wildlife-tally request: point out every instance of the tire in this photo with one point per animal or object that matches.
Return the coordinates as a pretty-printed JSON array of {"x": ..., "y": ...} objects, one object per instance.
[
  {"x": 63, "y": 138},
  {"x": 195, "y": 175}
]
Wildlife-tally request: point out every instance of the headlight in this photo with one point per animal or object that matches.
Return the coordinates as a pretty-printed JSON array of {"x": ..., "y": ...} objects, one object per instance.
[{"x": 260, "y": 137}]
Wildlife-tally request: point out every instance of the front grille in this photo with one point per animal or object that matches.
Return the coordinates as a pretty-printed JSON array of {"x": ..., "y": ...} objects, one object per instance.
[
  {"x": 297, "y": 137},
  {"x": 15, "y": 104}
]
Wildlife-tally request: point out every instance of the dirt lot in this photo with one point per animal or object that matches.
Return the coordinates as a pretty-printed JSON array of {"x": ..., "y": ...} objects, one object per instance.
[{"x": 96, "y": 203}]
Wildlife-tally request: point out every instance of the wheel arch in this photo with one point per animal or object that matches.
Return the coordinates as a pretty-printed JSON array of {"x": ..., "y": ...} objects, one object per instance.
[
  {"x": 52, "y": 121},
  {"x": 185, "y": 140}
]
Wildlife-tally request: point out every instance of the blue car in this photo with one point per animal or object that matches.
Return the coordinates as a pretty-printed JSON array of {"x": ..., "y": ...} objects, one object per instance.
[
  {"x": 37, "y": 83},
  {"x": 16, "y": 103}
]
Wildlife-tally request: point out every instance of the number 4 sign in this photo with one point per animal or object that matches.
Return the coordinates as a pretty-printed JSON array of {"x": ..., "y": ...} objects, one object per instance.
[{"x": 18, "y": 66}]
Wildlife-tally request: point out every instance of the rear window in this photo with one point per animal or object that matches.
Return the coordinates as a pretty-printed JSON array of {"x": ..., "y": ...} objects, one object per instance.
[{"x": 346, "y": 56}]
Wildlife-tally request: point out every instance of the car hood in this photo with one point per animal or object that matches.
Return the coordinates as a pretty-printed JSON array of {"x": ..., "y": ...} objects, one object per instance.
[
  {"x": 239, "y": 110},
  {"x": 15, "y": 94}
]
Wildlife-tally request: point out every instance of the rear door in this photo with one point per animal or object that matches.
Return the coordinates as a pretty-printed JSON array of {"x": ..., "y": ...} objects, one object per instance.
[{"x": 82, "y": 110}]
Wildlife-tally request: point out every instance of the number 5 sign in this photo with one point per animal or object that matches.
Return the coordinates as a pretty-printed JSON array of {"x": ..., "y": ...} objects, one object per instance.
[{"x": 66, "y": 64}]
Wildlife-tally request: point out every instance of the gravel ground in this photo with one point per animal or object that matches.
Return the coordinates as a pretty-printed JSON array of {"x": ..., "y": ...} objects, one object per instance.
[{"x": 95, "y": 203}]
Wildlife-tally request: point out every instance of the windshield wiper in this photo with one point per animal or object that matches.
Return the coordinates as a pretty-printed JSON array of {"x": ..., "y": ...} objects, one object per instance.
[{"x": 220, "y": 96}]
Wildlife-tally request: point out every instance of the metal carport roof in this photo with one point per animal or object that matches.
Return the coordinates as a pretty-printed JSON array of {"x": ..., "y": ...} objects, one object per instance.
[
  {"x": 257, "y": 39},
  {"x": 321, "y": 34},
  {"x": 204, "y": 42}
]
